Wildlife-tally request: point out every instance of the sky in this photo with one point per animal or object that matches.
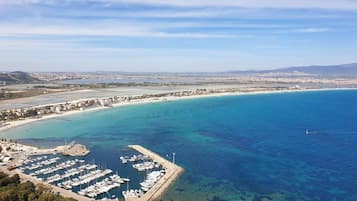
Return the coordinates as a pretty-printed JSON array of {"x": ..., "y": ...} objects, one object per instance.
[{"x": 175, "y": 35}]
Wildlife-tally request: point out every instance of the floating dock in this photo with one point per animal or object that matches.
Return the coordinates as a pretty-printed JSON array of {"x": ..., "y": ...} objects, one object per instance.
[{"x": 172, "y": 172}]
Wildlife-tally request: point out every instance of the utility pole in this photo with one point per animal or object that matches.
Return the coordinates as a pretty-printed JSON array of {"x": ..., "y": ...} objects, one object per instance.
[{"x": 173, "y": 157}]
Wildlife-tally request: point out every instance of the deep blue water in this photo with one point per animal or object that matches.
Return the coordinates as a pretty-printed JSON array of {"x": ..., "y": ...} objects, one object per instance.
[{"x": 251, "y": 147}]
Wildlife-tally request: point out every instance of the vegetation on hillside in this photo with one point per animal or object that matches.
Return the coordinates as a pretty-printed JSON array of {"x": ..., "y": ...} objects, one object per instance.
[
  {"x": 17, "y": 77},
  {"x": 11, "y": 189}
]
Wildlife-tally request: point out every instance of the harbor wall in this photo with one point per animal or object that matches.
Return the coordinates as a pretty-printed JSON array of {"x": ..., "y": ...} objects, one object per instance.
[{"x": 173, "y": 171}]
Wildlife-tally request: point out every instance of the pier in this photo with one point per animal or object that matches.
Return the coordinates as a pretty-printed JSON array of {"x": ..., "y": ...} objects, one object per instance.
[
  {"x": 67, "y": 175},
  {"x": 70, "y": 177},
  {"x": 59, "y": 190},
  {"x": 73, "y": 177},
  {"x": 172, "y": 172}
]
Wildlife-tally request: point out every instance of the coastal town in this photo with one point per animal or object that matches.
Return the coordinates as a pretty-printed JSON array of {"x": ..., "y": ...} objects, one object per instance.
[
  {"x": 81, "y": 105},
  {"x": 65, "y": 170},
  {"x": 83, "y": 180},
  {"x": 169, "y": 100}
]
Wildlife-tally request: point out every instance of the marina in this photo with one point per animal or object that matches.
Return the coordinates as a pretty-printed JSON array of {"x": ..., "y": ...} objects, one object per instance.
[
  {"x": 157, "y": 182},
  {"x": 219, "y": 162},
  {"x": 74, "y": 176}
]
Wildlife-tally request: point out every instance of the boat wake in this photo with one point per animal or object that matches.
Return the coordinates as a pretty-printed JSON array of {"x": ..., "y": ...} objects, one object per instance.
[{"x": 334, "y": 132}]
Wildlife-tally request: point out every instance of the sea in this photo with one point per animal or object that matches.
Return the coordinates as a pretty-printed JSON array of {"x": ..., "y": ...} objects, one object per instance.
[{"x": 299, "y": 146}]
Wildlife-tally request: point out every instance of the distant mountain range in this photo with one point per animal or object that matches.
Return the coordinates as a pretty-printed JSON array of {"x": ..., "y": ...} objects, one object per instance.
[
  {"x": 17, "y": 77},
  {"x": 349, "y": 70},
  {"x": 343, "y": 70}
]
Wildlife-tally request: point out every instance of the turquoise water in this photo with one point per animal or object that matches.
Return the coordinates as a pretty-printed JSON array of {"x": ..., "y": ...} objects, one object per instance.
[{"x": 250, "y": 147}]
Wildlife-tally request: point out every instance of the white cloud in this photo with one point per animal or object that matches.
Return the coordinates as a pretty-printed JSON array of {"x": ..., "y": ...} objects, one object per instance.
[
  {"x": 312, "y": 30},
  {"x": 324, "y": 4},
  {"x": 32, "y": 44},
  {"x": 320, "y": 4},
  {"x": 112, "y": 29}
]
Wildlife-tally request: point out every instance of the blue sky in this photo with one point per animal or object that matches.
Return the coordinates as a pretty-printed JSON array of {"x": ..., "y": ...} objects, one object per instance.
[{"x": 175, "y": 35}]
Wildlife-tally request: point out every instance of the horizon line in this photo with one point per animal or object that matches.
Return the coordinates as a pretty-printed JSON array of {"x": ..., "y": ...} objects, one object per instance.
[{"x": 183, "y": 72}]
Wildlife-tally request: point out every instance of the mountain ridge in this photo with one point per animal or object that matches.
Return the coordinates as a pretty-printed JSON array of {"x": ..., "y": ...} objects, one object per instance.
[{"x": 322, "y": 70}]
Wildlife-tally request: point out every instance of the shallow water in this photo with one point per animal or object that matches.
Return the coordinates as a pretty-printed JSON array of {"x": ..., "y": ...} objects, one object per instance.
[{"x": 252, "y": 147}]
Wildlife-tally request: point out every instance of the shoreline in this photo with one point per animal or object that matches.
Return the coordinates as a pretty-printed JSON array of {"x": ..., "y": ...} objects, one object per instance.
[
  {"x": 19, "y": 123},
  {"x": 62, "y": 192}
]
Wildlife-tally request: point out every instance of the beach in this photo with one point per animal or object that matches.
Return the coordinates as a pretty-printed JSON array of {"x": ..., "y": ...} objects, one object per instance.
[
  {"x": 19, "y": 123},
  {"x": 231, "y": 146}
]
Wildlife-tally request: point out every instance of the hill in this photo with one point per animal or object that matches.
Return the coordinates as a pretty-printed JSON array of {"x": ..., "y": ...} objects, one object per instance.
[
  {"x": 17, "y": 77},
  {"x": 343, "y": 70}
]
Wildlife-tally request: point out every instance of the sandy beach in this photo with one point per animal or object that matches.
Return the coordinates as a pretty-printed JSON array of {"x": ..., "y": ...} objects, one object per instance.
[
  {"x": 172, "y": 171},
  {"x": 18, "y": 123}
]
